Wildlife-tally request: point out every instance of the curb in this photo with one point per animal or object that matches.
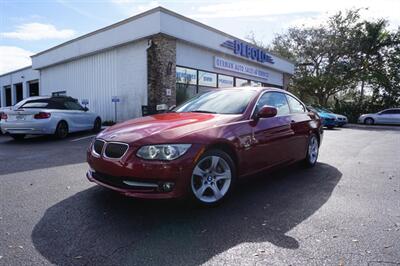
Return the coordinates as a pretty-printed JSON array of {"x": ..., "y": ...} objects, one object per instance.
[{"x": 373, "y": 127}]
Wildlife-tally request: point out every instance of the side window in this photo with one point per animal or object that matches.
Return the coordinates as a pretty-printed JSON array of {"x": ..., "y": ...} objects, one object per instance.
[
  {"x": 387, "y": 112},
  {"x": 275, "y": 99},
  {"x": 36, "y": 104},
  {"x": 57, "y": 105},
  {"x": 71, "y": 105},
  {"x": 295, "y": 105}
]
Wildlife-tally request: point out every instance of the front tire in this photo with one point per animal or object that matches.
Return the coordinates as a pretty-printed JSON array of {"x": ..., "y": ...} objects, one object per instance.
[
  {"x": 61, "y": 130},
  {"x": 212, "y": 178},
  {"x": 18, "y": 136},
  {"x": 312, "y": 151}
]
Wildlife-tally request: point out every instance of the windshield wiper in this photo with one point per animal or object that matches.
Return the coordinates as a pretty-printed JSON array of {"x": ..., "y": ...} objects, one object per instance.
[{"x": 203, "y": 111}]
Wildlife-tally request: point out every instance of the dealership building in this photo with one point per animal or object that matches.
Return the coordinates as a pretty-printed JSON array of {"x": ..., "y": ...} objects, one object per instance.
[{"x": 150, "y": 61}]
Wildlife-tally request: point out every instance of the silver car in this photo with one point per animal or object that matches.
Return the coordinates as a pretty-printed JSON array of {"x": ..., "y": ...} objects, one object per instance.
[
  {"x": 388, "y": 116},
  {"x": 48, "y": 115}
]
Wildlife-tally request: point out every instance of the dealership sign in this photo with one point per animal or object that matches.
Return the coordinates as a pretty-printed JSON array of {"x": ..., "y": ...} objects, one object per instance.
[
  {"x": 246, "y": 50},
  {"x": 233, "y": 66}
]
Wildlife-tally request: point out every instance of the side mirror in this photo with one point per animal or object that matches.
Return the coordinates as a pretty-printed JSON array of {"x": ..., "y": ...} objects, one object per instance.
[
  {"x": 267, "y": 111},
  {"x": 85, "y": 109}
]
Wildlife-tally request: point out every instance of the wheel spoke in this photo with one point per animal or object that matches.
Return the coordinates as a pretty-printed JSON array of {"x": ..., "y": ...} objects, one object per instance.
[
  {"x": 201, "y": 190},
  {"x": 198, "y": 171},
  {"x": 216, "y": 191},
  {"x": 225, "y": 175},
  {"x": 214, "y": 163}
]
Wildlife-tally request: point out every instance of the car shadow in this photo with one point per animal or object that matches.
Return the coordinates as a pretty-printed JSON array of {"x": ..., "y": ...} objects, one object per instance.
[{"x": 97, "y": 226}]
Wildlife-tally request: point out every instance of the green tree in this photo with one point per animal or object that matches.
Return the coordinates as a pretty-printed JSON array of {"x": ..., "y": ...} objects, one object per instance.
[
  {"x": 372, "y": 41},
  {"x": 324, "y": 56}
]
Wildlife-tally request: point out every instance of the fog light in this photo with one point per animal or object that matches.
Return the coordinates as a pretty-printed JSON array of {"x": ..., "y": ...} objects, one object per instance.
[{"x": 167, "y": 186}]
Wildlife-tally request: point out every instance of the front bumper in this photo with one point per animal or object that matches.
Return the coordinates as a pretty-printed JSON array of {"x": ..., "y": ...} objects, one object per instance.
[
  {"x": 135, "y": 177},
  {"x": 329, "y": 122}
]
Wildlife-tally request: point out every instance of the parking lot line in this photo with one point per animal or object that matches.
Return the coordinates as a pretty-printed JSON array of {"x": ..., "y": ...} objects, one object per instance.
[{"x": 82, "y": 138}]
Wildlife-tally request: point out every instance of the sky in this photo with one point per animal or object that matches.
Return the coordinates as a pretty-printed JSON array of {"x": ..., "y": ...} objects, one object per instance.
[{"x": 30, "y": 26}]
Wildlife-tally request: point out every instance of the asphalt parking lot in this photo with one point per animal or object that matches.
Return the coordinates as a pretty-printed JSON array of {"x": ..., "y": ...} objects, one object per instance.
[{"x": 345, "y": 211}]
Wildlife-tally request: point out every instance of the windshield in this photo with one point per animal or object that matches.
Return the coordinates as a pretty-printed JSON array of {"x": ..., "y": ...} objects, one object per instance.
[{"x": 218, "y": 102}]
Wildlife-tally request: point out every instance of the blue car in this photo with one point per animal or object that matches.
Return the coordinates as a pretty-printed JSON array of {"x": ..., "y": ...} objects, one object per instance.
[
  {"x": 341, "y": 119},
  {"x": 329, "y": 120}
]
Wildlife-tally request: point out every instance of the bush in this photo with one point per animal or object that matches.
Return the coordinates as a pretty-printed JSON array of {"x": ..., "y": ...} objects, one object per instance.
[{"x": 353, "y": 110}]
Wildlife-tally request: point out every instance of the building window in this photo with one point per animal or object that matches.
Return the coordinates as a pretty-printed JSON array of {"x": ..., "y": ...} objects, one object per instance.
[
  {"x": 184, "y": 92},
  {"x": 207, "y": 79},
  {"x": 186, "y": 76},
  {"x": 18, "y": 92},
  {"x": 241, "y": 82},
  {"x": 255, "y": 83},
  {"x": 225, "y": 81},
  {"x": 59, "y": 93},
  {"x": 7, "y": 95},
  {"x": 33, "y": 88}
]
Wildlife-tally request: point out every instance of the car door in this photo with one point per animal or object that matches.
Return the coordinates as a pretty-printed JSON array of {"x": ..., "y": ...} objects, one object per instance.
[
  {"x": 300, "y": 124},
  {"x": 384, "y": 117},
  {"x": 76, "y": 115},
  {"x": 271, "y": 137},
  {"x": 396, "y": 117}
]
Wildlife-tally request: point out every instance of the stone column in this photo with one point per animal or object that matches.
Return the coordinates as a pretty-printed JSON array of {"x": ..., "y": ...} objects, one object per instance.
[
  {"x": 286, "y": 80},
  {"x": 161, "y": 71}
]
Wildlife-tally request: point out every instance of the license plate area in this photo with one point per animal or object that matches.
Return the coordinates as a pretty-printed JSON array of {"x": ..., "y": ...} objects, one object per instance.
[{"x": 20, "y": 117}]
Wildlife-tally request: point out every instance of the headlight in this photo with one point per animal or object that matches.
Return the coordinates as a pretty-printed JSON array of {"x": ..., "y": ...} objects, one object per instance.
[{"x": 163, "y": 152}]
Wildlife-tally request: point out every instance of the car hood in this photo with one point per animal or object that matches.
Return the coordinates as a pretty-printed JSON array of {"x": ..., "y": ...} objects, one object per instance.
[
  {"x": 326, "y": 115},
  {"x": 340, "y": 116},
  {"x": 163, "y": 128},
  {"x": 363, "y": 115}
]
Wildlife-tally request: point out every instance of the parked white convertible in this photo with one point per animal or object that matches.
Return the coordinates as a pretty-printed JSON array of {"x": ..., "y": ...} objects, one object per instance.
[{"x": 47, "y": 115}]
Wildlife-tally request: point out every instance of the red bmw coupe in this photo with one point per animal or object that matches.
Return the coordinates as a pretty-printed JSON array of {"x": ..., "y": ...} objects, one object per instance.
[{"x": 201, "y": 148}]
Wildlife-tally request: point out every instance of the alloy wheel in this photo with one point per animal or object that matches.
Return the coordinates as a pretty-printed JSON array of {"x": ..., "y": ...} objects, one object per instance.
[
  {"x": 211, "y": 179},
  {"x": 313, "y": 150}
]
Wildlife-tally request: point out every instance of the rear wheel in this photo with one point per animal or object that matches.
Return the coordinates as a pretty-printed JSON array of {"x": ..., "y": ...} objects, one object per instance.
[
  {"x": 18, "y": 136},
  {"x": 97, "y": 125},
  {"x": 330, "y": 127},
  {"x": 312, "y": 151},
  {"x": 369, "y": 121},
  {"x": 62, "y": 130},
  {"x": 212, "y": 178}
]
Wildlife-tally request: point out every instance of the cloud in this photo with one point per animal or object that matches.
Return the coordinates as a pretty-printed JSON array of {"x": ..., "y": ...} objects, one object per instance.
[
  {"x": 13, "y": 57},
  {"x": 132, "y": 7},
  {"x": 38, "y": 31},
  {"x": 263, "y": 8}
]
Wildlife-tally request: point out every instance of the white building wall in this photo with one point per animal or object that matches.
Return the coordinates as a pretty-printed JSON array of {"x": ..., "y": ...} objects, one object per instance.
[
  {"x": 189, "y": 55},
  {"x": 132, "y": 29},
  {"x": 120, "y": 72},
  {"x": 24, "y": 76}
]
